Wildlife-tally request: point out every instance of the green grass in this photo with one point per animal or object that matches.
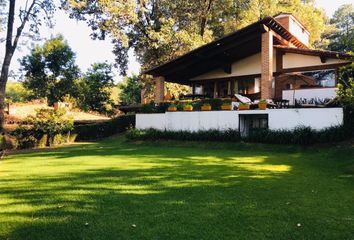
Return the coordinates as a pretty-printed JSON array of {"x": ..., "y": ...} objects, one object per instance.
[{"x": 173, "y": 190}]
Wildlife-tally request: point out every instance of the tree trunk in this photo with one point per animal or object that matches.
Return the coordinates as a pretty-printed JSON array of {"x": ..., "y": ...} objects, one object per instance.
[
  {"x": 204, "y": 17},
  {"x": 9, "y": 51}
]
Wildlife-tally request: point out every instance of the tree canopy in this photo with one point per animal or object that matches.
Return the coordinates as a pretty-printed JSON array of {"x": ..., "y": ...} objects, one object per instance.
[
  {"x": 96, "y": 88},
  {"x": 50, "y": 70},
  {"x": 33, "y": 13},
  {"x": 159, "y": 30},
  {"x": 343, "y": 38},
  {"x": 130, "y": 90}
]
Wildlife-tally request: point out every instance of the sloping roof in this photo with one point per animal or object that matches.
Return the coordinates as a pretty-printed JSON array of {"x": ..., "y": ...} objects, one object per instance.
[
  {"x": 222, "y": 52},
  {"x": 315, "y": 52}
]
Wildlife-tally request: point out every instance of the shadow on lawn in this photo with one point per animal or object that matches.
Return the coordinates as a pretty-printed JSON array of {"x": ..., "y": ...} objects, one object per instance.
[{"x": 167, "y": 193}]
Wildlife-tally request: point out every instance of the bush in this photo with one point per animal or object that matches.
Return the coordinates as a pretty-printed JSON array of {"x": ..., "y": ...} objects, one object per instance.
[
  {"x": 43, "y": 129},
  {"x": 42, "y": 142},
  {"x": 51, "y": 122},
  {"x": 210, "y": 135},
  {"x": 8, "y": 142},
  {"x": 299, "y": 136},
  {"x": 104, "y": 129}
]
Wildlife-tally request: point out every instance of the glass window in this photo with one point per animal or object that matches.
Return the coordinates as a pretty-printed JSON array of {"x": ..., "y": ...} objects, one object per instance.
[{"x": 323, "y": 78}]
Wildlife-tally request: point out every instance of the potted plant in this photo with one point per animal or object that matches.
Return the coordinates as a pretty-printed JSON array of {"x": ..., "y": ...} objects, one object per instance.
[
  {"x": 243, "y": 106},
  {"x": 205, "y": 107},
  {"x": 188, "y": 107},
  {"x": 226, "y": 106},
  {"x": 262, "y": 104},
  {"x": 172, "y": 108}
]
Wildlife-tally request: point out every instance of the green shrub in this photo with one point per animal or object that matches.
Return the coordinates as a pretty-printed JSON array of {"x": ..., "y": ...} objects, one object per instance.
[
  {"x": 51, "y": 122},
  {"x": 44, "y": 128},
  {"x": 56, "y": 140},
  {"x": 104, "y": 129},
  {"x": 210, "y": 135},
  {"x": 8, "y": 142},
  {"x": 27, "y": 142},
  {"x": 299, "y": 136},
  {"x": 42, "y": 142}
]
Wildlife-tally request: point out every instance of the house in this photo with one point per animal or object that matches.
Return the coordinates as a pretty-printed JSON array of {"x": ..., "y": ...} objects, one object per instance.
[{"x": 268, "y": 59}]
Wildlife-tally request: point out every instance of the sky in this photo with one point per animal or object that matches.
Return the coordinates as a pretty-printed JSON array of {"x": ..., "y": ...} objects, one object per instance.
[{"x": 89, "y": 51}]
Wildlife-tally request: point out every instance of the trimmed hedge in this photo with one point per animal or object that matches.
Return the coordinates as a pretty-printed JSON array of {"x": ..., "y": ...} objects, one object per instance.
[
  {"x": 210, "y": 135},
  {"x": 298, "y": 136},
  {"x": 104, "y": 129}
]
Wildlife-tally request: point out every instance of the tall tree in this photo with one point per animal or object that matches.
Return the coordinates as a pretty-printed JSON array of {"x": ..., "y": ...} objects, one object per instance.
[
  {"x": 31, "y": 13},
  {"x": 130, "y": 90},
  {"x": 98, "y": 82},
  {"x": 343, "y": 38},
  {"x": 50, "y": 70},
  {"x": 160, "y": 30}
]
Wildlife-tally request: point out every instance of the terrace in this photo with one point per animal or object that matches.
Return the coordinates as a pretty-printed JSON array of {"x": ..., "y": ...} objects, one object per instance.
[{"x": 269, "y": 60}]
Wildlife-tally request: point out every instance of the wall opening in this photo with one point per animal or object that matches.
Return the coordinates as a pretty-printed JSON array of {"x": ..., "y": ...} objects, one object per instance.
[{"x": 252, "y": 122}]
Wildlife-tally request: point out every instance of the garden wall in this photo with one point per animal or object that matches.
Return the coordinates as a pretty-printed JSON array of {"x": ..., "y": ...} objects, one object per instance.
[
  {"x": 316, "y": 118},
  {"x": 310, "y": 93}
]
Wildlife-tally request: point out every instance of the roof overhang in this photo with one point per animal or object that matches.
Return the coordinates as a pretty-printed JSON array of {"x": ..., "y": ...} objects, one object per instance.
[
  {"x": 223, "y": 52},
  {"x": 315, "y": 52}
]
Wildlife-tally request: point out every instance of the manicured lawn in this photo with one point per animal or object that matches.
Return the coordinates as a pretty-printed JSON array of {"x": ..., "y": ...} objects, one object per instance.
[{"x": 119, "y": 190}]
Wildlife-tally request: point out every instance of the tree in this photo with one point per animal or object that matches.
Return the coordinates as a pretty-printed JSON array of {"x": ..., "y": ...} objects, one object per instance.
[
  {"x": 97, "y": 84},
  {"x": 160, "y": 30},
  {"x": 31, "y": 13},
  {"x": 16, "y": 92},
  {"x": 343, "y": 20},
  {"x": 130, "y": 90},
  {"x": 50, "y": 70}
]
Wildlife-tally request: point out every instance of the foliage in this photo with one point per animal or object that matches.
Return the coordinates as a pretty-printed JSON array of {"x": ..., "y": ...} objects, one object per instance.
[
  {"x": 50, "y": 70},
  {"x": 104, "y": 129},
  {"x": 158, "y": 31},
  {"x": 130, "y": 90},
  {"x": 345, "y": 95},
  {"x": 51, "y": 122},
  {"x": 8, "y": 142},
  {"x": 205, "y": 135},
  {"x": 16, "y": 92},
  {"x": 95, "y": 89},
  {"x": 47, "y": 127},
  {"x": 298, "y": 136},
  {"x": 343, "y": 38},
  {"x": 32, "y": 12}
]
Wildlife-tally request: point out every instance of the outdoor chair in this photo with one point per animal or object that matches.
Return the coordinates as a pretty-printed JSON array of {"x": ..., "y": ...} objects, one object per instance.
[{"x": 254, "y": 104}]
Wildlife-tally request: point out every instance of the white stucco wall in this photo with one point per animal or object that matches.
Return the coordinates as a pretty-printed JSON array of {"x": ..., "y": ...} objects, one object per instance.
[
  {"x": 299, "y": 31},
  {"x": 151, "y": 120},
  {"x": 294, "y": 60},
  {"x": 320, "y": 93},
  {"x": 317, "y": 118},
  {"x": 247, "y": 66}
]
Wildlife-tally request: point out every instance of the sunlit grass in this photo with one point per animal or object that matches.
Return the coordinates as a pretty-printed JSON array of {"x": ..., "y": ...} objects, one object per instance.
[{"x": 172, "y": 190}]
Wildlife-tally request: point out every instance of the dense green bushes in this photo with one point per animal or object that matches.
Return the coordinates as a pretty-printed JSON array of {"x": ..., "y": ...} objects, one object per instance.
[
  {"x": 48, "y": 127},
  {"x": 298, "y": 136},
  {"x": 104, "y": 129},
  {"x": 209, "y": 135}
]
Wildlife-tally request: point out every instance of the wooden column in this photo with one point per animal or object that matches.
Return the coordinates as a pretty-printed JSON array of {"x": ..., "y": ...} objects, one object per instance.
[
  {"x": 215, "y": 90},
  {"x": 159, "y": 89},
  {"x": 267, "y": 65},
  {"x": 232, "y": 87}
]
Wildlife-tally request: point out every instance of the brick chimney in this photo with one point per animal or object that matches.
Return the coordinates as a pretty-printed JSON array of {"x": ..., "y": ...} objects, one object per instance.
[{"x": 294, "y": 26}]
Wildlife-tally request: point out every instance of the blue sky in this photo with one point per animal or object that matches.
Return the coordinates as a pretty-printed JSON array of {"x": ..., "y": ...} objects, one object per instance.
[{"x": 89, "y": 51}]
